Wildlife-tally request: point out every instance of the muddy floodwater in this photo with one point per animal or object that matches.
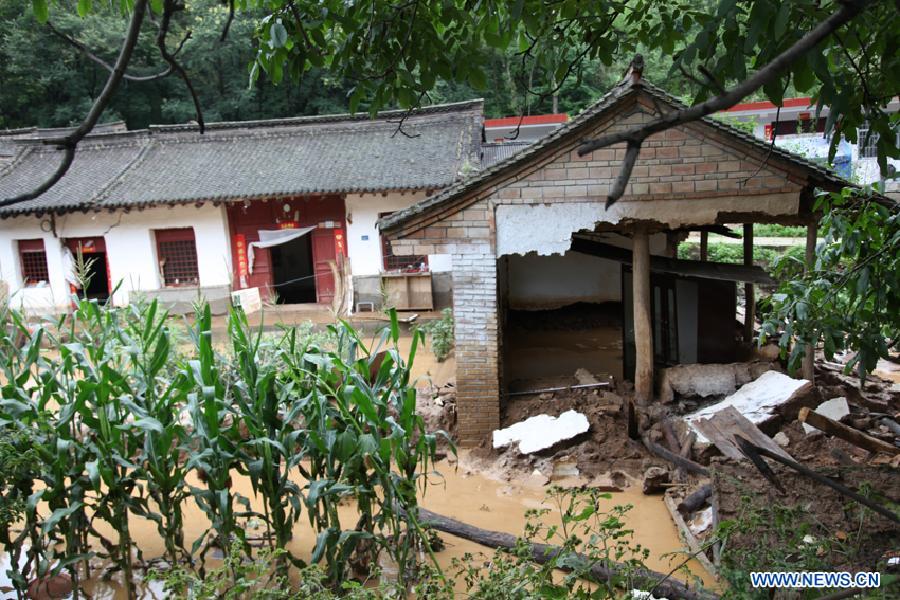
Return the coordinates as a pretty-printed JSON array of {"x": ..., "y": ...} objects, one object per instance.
[{"x": 461, "y": 494}]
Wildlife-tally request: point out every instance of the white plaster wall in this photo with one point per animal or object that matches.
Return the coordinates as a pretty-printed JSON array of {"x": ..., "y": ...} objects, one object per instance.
[
  {"x": 364, "y": 239},
  {"x": 130, "y": 247},
  {"x": 547, "y": 228},
  {"x": 559, "y": 280}
]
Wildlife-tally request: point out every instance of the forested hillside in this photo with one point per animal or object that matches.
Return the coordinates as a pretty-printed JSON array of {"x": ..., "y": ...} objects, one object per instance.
[{"x": 61, "y": 92}]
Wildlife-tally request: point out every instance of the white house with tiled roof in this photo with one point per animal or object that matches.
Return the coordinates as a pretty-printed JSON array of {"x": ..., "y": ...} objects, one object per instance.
[{"x": 272, "y": 205}]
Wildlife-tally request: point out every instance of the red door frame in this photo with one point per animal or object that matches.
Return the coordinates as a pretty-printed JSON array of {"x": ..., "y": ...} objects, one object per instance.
[
  {"x": 326, "y": 213},
  {"x": 92, "y": 245}
]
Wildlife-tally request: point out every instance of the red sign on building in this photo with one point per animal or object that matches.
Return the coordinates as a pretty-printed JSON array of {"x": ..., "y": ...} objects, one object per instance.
[
  {"x": 340, "y": 247},
  {"x": 240, "y": 251}
]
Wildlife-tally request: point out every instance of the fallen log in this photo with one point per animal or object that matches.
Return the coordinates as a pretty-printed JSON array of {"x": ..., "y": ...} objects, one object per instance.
[
  {"x": 752, "y": 450},
  {"x": 696, "y": 499},
  {"x": 838, "y": 429},
  {"x": 679, "y": 461},
  {"x": 662, "y": 585}
]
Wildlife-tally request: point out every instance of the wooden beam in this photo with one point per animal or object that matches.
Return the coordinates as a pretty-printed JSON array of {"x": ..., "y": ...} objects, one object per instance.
[
  {"x": 838, "y": 429},
  {"x": 675, "y": 266},
  {"x": 643, "y": 326},
  {"x": 749, "y": 294},
  {"x": 809, "y": 359},
  {"x": 704, "y": 245}
]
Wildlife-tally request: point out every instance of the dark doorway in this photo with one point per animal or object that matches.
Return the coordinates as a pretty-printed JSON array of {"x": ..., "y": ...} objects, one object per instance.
[
  {"x": 292, "y": 271},
  {"x": 98, "y": 285}
]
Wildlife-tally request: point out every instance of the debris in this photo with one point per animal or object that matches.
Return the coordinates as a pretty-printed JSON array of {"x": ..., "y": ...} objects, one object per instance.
[
  {"x": 655, "y": 480},
  {"x": 688, "y": 536},
  {"x": 609, "y": 483},
  {"x": 542, "y": 431},
  {"x": 722, "y": 428},
  {"x": 837, "y": 429},
  {"x": 891, "y": 424},
  {"x": 709, "y": 380},
  {"x": 585, "y": 377},
  {"x": 566, "y": 466},
  {"x": 686, "y": 464},
  {"x": 760, "y": 401},
  {"x": 782, "y": 439},
  {"x": 50, "y": 587},
  {"x": 701, "y": 521},
  {"x": 836, "y": 408},
  {"x": 696, "y": 499}
]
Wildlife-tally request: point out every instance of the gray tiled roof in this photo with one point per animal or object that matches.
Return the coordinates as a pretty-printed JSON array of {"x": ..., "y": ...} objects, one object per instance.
[
  {"x": 576, "y": 127},
  {"x": 303, "y": 155}
]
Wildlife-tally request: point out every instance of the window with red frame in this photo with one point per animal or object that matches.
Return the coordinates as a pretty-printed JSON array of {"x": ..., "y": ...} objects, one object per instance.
[
  {"x": 33, "y": 258},
  {"x": 176, "y": 250},
  {"x": 392, "y": 262}
]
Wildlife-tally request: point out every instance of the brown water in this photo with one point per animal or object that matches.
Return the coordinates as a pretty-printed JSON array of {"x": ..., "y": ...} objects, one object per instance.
[{"x": 469, "y": 497}]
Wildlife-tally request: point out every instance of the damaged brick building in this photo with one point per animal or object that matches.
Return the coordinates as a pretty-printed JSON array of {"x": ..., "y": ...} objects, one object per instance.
[{"x": 532, "y": 233}]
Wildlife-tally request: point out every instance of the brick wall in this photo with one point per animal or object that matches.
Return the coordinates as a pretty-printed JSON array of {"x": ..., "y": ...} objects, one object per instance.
[{"x": 687, "y": 164}]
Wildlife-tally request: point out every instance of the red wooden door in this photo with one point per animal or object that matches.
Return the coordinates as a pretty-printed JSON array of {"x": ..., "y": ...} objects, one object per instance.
[{"x": 323, "y": 254}]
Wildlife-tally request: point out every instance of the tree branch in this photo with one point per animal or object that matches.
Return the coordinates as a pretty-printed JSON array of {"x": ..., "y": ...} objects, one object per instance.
[
  {"x": 170, "y": 8},
  {"x": 228, "y": 22},
  {"x": 637, "y": 135},
  {"x": 84, "y": 50},
  {"x": 70, "y": 142}
]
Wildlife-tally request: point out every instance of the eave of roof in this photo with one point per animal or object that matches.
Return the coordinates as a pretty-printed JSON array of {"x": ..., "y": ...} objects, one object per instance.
[
  {"x": 608, "y": 101},
  {"x": 281, "y": 168}
]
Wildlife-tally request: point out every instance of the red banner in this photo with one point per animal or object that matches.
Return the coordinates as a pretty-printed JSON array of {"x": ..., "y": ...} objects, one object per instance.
[
  {"x": 240, "y": 250},
  {"x": 340, "y": 247}
]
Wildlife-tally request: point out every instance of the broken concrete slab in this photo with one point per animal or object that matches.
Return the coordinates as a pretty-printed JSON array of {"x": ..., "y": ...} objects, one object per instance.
[
  {"x": 709, "y": 380},
  {"x": 836, "y": 409},
  {"x": 761, "y": 401},
  {"x": 542, "y": 431}
]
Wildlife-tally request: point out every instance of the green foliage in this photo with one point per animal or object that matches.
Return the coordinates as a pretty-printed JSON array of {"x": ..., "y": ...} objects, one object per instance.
[
  {"x": 586, "y": 536},
  {"x": 773, "y": 230},
  {"x": 440, "y": 333},
  {"x": 396, "y": 54},
  {"x": 734, "y": 253},
  {"x": 849, "y": 300},
  {"x": 120, "y": 423}
]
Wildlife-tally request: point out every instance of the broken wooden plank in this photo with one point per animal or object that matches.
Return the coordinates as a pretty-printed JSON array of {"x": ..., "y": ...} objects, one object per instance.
[
  {"x": 688, "y": 536},
  {"x": 723, "y": 426},
  {"x": 854, "y": 436},
  {"x": 662, "y": 452}
]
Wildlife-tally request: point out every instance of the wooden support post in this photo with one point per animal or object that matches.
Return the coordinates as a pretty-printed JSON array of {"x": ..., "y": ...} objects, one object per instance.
[
  {"x": 704, "y": 245},
  {"x": 749, "y": 294},
  {"x": 643, "y": 327},
  {"x": 809, "y": 359}
]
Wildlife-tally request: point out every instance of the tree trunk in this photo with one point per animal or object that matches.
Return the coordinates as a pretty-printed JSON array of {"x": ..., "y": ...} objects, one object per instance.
[
  {"x": 663, "y": 586},
  {"x": 704, "y": 245},
  {"x": 643, "y": 327}
]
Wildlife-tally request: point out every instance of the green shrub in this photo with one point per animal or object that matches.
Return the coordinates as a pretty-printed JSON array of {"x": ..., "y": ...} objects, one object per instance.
[{"x": 440, "y": 333}]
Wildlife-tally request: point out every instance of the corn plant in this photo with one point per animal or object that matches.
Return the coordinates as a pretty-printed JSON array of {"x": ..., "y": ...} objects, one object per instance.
[
  {"x": 213, "y": 452},
  {"x": 268, "y": 408},
  {"x": 363, "y": 441}
]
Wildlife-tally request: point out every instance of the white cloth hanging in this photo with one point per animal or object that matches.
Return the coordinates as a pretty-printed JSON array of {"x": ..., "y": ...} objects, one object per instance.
[{"x": 270, "y": 238}]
